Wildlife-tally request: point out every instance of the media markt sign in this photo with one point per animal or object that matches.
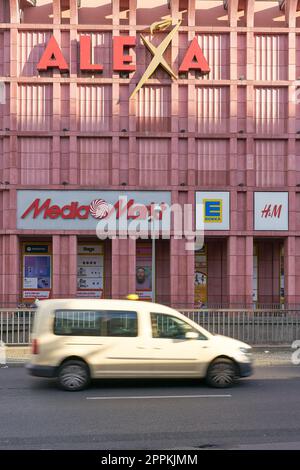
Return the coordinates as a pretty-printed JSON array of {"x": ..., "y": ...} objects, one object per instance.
[
  {"x": 84, "y": 210},
  {"x": 194, "y": 59}
]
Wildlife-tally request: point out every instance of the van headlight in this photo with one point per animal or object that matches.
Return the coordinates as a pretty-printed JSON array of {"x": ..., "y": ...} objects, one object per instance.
[{"x": 246, "y": 351}]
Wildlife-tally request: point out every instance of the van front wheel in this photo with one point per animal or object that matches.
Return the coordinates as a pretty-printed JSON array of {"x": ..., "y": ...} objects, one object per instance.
[
  {"x": 73, "y": 376},
  {"x": 222, "y": 373}
]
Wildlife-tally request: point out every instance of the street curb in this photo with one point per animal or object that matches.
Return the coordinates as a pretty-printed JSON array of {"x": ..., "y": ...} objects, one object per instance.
[{"x": 263, "y": 355}]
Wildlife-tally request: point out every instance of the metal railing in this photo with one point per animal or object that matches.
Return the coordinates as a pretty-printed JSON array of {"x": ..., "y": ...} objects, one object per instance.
[
  {"x": 16, "y": 326},
  {"x": 256, "y": 327}
]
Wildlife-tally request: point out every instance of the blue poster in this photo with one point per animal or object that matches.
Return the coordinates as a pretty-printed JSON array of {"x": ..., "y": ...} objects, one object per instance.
[{"x": 37, "y": 272}]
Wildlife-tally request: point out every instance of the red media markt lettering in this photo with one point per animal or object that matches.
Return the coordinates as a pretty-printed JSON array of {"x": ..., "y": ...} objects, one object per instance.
[
  {"x": 69, "y": 211},
  {"x": 75, "y": 210}
]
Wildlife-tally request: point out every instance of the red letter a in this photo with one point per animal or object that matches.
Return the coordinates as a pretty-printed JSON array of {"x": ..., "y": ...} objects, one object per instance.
[
  {"x": 194, "y": 59},
  {"x": 52, "y": 57}
]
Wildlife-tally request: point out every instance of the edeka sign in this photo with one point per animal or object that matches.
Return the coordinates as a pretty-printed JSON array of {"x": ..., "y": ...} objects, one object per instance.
[
  {"x": 83, "y": 210},
  {"x": 215, "y": 210},
  {"x": 122, "y": 61},
  {"x": 271, "y": 210}
]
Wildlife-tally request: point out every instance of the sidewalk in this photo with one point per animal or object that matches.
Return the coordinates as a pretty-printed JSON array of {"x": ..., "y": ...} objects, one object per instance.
[{"x": 263, "y": 355}]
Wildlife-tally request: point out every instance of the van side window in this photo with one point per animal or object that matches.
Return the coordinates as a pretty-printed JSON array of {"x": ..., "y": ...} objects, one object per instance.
[
  {"x": 167, "y": 326},
  {"x": 95, "y": 323}
]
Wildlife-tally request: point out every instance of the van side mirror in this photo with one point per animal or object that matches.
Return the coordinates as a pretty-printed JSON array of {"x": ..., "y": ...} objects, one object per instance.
[{"x": 191, "y": 335}]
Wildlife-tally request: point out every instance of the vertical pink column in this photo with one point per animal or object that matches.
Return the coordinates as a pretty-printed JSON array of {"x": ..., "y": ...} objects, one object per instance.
[
  {"x": 174, "y": 161},
  {"x": 14, "y": 174},
  {"x": 72, "y": 246},
  {"x": 191, "y": 12},
  {"x": 115, "y": 169},
  {"x": 250, "y": 75},
  {"x": 248, "y": 286},
  {"x": 290, "y": 11},
  {"x": 64, "y": 270},
  {"x": 182, "y": 275},
  {"x": 73, "y": 157},
  {"x": 297, "y": 271},
  {"x": 55, "y": 167},
  {"x": 232, "y": 127},
  {"x": 56, "y": 12},
  {"x": 291, "y": 245},
  {"x": 163, "y": 272},
  {"x": 123, "y": 267},
  {"x": 132, "y": 12},
  {"x": 232, "y": 270},
  {"x": 132, "y": 157},
  {"x": 174, "y": 103},
  {"x": 73, "y": 161},
  {"x": 133, "y": 161},
  {"x": 239, "y": 270},
  {"x": 56, "y": 287},
  {"x": 191, "y": 156},
  {"x": 74, "y": 11},
  {"x": 182, "y": 262},
  {"x": 73, "y": 154},
  {"x": 291, "y": 252},
  {"x": 14, "y": 11},
  {"x": 115, "y": 125},
  {"x": 10, "y": 262}
]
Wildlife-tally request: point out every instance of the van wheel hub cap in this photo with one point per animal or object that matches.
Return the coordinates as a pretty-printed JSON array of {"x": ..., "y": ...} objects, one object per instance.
[
  {"x": 223, "y": 374},
  {"x": 73, "y": 376}
]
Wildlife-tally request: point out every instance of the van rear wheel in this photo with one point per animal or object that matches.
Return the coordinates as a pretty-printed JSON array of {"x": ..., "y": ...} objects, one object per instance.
[
  {"x": 222, "y": 373},
  {"x": 73, "y": 376}
]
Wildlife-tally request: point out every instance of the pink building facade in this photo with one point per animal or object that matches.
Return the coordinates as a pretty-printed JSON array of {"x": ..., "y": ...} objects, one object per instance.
[{"x": 230, "y": 137}]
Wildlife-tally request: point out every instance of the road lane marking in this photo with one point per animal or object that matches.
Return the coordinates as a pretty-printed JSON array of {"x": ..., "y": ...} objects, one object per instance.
[{"x": 156, "y": 397}]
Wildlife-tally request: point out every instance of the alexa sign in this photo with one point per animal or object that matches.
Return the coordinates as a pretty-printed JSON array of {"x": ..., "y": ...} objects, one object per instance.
[{"x": 122, "y": 60}]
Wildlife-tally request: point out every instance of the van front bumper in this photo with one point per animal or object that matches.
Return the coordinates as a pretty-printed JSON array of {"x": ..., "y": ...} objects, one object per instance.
[
  {"x": 246, "y": 369},
  {"x": 42, "y": 371}
]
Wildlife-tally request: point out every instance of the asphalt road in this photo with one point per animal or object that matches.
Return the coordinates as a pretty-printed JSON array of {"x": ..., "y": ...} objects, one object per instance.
[{"x": 261, "y": 412}]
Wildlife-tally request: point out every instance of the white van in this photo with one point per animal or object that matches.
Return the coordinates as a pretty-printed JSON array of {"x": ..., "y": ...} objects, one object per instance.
[{"x": 76, "y": 340}]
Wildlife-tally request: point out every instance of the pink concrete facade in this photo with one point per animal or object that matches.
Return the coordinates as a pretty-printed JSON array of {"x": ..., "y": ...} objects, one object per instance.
[{"x": 236, "y": 129}]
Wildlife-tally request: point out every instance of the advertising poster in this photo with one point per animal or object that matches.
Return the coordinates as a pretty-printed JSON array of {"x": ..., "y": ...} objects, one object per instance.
[
  {"x": 90, "y": 270},
  {"x": 36, "y": 271},
  {"x": 200, "y": 281},
  {"x": 144, "y": 270}
]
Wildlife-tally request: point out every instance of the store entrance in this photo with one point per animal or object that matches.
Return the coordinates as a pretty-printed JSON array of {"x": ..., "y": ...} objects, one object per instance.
[
  {"x": 210, "y": 274},
  {"x": 268, "y": 273},
  {"x": 153, "y": 272}
]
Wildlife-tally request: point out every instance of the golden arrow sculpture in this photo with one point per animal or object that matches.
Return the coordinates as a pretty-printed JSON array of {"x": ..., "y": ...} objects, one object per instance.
[{"x": 158, "y": 52}]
